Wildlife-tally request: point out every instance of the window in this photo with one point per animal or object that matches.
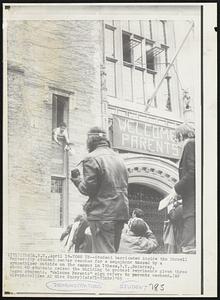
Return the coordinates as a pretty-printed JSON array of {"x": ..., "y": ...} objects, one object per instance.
[
  {"x": 109, "y": 22},
  {"x": 59, "y": 110},
  {"x": 160, "y": 32},
  {"x": 127, "y": 83},
  {"x": 163, "y": 32},
  {"x": 138, "y": 86},
  {"x": 150, "y": 59},
  {"x": 126, "y": 40},
  {"x": 125, "y": 25},
  {"x": 148, "y": 30},
  {"x": 109, "y": 42},
  {"x": 141, "y": 60},
  {"x": 164, "y": 95},
  {"x": 135, "y": 27},
  {"x": 163, "y": 61},
  {"x": 57, "y": 197},
  {"x": 111, "y": 60},
  {"x": 151, "y": 83},
  {"x": 133, "y": 80},
  {"x": 138, "y": 57},
  {"x": 111, "y": 84}
]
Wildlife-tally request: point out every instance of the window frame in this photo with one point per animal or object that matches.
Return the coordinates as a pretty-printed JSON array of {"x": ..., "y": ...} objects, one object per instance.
[
  {"x": 62, "y": 207},
  {"x": 119, "y": 30},
  {"x": 133, "y": 66},
  {"x": 111, "y": 59},
  {"x": 65, "y": 116}
]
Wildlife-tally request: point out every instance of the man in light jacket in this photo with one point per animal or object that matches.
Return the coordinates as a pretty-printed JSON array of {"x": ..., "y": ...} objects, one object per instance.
[{"x": 105, "y": 181}]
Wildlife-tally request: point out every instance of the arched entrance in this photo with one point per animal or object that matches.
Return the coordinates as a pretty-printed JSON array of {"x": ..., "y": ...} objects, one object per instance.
[{"x": 150, "y": 180}]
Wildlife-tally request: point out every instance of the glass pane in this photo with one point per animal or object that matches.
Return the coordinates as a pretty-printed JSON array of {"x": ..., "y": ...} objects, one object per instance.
[
  {"x": 161, "y": 36},
  {"x": 135, "y": 27},
  {"x": 57, "y": 209},
  {"x": 164, "y": 32},
  {"x": 164, "y": 96},
  {"x": 109, "y": 43},
  {"x": 138, "y": 87},
  {"x": 150, "y": 87},
  {"x": 60, "y": 111},
  {"x": 150, "y": 59},
  {"x": 56, "y": 185},
  {"x": 126, "y": 48},
  {"x": 148, "y": 30},
  {"x": 158, "y": 31},
  {"x": 124, "y": 25},
  {"x": 109, "y": 22},
  {"x": 163, "y": 61},
  {"x": 111, "y": 80},
  {"x": 138, "y": 58},
  {"x": 127, "y": 83}
]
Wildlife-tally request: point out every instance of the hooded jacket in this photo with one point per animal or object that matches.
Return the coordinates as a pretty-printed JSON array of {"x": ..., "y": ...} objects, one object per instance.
[{"x": 131, "y": 243}]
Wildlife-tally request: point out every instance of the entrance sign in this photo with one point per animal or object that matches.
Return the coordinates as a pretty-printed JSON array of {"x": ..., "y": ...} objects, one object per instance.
[{"x": 144, "y": 137}]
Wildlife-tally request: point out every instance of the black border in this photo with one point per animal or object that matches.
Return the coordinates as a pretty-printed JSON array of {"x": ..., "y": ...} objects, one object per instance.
[
  {"x": 202, "y": 96},
  {"x": 202, "y": 154}
]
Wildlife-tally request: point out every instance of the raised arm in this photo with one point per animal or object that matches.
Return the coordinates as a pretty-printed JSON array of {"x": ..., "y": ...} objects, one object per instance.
[{"x": 88, "y": 185}]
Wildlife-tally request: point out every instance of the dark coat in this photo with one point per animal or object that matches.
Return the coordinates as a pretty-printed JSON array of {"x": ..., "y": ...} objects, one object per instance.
[
  {"x": 185, "y": 187},
  {"x": 105, "y": 181}
]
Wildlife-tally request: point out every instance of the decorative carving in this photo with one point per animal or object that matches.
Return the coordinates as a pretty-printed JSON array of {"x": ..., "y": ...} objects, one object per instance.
[
  {"x": 186, "y": 100},
  {"x": 151, "y": 172}
]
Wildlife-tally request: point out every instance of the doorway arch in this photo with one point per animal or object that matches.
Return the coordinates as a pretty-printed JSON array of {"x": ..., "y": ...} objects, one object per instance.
[
  {"x": 159, "y": 173},
  {"x": 150, "y": 180}
]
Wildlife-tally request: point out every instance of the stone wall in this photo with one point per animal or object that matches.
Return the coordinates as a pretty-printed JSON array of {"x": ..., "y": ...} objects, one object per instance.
[{"x": 46, "y": 57}]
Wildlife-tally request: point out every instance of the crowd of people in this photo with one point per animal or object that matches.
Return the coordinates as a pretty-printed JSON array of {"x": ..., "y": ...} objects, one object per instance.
[
  {"x": 105, "y": 226},
  {"x": 136, "y": 236}
]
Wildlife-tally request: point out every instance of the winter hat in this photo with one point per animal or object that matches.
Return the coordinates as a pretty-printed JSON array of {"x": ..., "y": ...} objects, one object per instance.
[{"x": 97, "y": 131}]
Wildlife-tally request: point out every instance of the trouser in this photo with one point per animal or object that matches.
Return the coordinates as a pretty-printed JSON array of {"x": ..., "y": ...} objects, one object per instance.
[
  {"x": 189, "y": 235},
  {"x": 106, "y": 235}
]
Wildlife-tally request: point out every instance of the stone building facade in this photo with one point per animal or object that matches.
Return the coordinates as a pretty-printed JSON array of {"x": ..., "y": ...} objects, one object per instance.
[{"x": 86, "y": 73}]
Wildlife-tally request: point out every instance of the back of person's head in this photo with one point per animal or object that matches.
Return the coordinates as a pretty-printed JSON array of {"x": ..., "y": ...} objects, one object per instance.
[
  {"x": 96, "y": 136},
  {"x": 138, "y": 226},
  {"x": 184, "y": 131},
  {"x": 137, "y": 212}
]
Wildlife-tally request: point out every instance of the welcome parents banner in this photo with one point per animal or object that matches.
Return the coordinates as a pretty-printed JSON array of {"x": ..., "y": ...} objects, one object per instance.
[{"x": 144, "y": 137}]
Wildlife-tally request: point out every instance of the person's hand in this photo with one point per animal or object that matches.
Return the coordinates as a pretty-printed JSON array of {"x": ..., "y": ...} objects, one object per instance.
[
  {"x": 75, "y": 173},
  {"x": 75, "y": 177}
]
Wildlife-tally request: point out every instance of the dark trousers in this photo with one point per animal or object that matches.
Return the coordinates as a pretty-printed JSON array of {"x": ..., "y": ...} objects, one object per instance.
[
  {"x": 106, "y": 235},
  {"x": 188, "y": 235}
]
